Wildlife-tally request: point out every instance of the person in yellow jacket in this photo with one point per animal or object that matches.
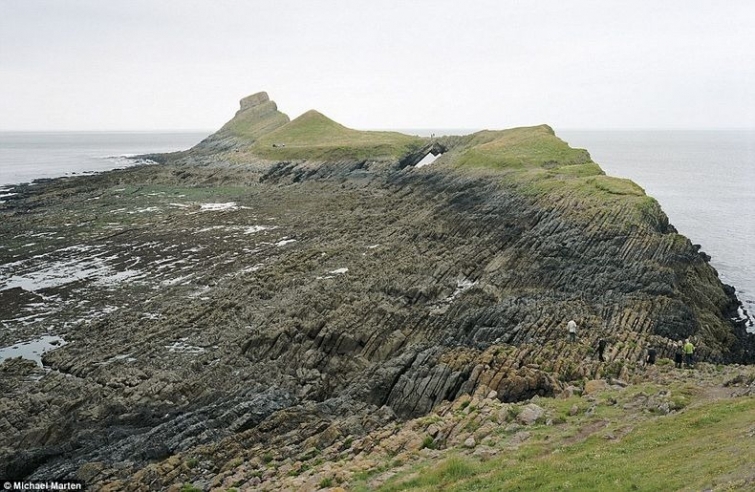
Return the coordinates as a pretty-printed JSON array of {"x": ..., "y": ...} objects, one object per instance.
[{"x": 689, "y": 351}]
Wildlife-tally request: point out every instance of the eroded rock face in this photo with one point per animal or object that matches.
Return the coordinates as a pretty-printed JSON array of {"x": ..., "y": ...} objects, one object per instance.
[
  {"x": 257, "y": 116},
  {"x": 253, "y": 101},
  {"x": 298, "y": 302}
]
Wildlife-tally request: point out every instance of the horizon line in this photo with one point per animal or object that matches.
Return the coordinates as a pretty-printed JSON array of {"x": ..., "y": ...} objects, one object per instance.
[{"x": 402, "y": 129}]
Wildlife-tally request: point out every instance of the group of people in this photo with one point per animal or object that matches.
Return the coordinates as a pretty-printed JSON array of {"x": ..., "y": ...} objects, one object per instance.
[
  {"x": 571, "y": 327},
  {"x": 684, "y": 353}
]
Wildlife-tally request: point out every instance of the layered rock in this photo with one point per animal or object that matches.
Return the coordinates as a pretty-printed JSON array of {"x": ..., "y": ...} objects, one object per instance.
[{"x": 289, "y": 302}]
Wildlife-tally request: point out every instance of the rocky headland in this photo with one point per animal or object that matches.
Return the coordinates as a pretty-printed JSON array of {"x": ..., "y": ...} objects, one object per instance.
[{"x": 288, "y": 291}]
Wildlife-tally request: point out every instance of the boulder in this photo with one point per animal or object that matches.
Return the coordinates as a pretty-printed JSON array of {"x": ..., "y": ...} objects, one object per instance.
[
  {"x": 595, "y": 386},
  {"x": 530, "y": 414}
]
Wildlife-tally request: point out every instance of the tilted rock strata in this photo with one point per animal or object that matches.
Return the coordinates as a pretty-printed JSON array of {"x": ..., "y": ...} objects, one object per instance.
[{"x": 321, "y": 299}]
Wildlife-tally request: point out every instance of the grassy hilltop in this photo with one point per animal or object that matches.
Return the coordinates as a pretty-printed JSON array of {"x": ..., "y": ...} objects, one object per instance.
[
  {"x": 259, "y": 130},
  {"x": 533, "y": 158}
]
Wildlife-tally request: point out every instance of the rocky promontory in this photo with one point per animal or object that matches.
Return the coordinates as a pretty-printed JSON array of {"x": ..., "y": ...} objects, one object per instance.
[{"x": 289, "y": 285}]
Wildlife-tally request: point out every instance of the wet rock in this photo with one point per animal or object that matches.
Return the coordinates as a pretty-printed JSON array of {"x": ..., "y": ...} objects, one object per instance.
[{"x": 18, "y": 366}]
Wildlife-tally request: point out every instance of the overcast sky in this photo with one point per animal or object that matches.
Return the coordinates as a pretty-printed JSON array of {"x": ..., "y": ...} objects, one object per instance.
[{"x": 146, "y": 65}]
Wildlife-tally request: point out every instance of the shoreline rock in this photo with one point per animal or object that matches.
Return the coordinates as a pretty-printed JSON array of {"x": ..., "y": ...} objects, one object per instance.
[{"x": 332, "y": 298}]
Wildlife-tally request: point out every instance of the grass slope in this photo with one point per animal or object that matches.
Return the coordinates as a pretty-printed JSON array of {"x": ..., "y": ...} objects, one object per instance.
[
  {"x": 539, "y": 164},
  {"x": 540, "y": 161},
  {"x": 707, "y": 445},
  {"x": 252, "y": 123},
  {"x": 316, "y": 137},
  {"x": 703, "y": 448},
  {"x": 521, "y": 148}
]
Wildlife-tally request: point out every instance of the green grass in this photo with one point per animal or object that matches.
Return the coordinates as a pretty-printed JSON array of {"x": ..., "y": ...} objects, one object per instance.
[
  {"x": 708, "y": 446},
  {"x": 189, "y": 488},
  {"x": 255, "y": 122},
  {"x": 532, "y": 159},
  {"x": 316, "y": 137},
  {"x": 616, "y": 186},
  {"x": 522, "y": 148},
  {"x": 449, "y": 471},
  {"x": 326, "y": 482},
  {"x": 540, "y": 165}
]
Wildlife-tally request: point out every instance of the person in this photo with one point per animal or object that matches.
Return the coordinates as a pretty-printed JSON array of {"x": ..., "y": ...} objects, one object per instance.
[
  {"x": 650, "y": 357},
  {"x": 689, "y": 351},
  {"x": 679, "y": 355},
  {"x": 572, "y": 328},
  {"x": 601, "y": 348}
]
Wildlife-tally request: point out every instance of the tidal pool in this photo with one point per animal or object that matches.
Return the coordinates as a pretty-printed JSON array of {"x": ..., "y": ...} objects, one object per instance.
[{"x": 32, "y": 349}]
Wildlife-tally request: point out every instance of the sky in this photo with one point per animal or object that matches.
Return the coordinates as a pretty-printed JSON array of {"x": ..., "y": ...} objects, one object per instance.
[{"x": 383, "y": 64}]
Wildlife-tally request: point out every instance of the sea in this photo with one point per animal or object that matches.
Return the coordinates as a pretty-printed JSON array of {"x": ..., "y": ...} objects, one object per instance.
[
  {"x": 26, "y": 156},
  {"x": 704, "y": 180}
]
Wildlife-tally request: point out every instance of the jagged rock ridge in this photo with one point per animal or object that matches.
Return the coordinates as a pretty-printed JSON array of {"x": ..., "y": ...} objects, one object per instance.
[{"x": 326, "y": 294}]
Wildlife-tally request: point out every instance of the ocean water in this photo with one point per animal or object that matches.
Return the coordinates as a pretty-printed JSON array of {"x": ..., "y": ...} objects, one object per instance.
[
  {"x": 704, "y": 181},
  {"x": 25, "y": 156}
]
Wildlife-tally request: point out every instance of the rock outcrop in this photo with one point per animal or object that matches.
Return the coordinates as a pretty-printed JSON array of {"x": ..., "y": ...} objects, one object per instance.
[
  {"x": 257, "y": 116},
  {"x": 285, "y": 297}
]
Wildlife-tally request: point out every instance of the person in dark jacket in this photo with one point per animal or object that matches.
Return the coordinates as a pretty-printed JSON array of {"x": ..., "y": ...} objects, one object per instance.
[
  {"x": 650, "y": 358},
  {"x": 601, "y": 349}
]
